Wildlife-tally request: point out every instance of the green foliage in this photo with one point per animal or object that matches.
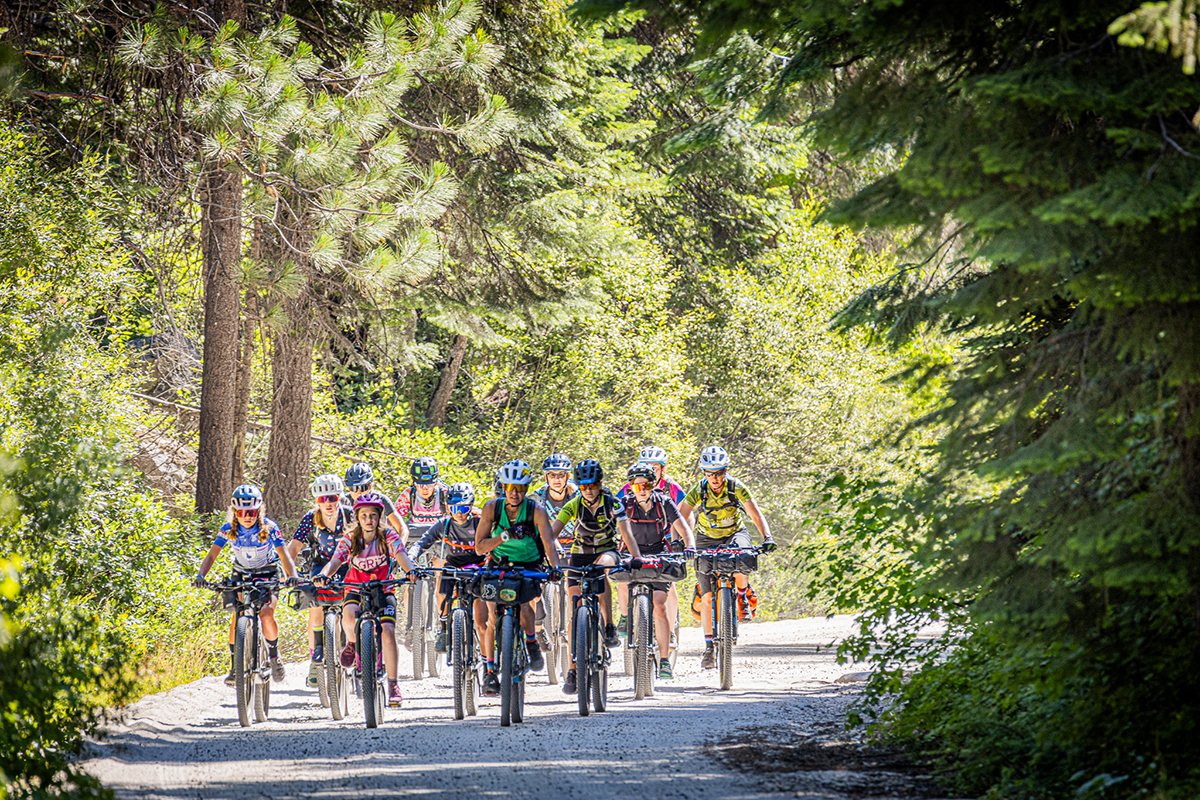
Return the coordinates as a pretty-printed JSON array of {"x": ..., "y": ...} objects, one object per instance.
[{"x": 1162, "y": 26}]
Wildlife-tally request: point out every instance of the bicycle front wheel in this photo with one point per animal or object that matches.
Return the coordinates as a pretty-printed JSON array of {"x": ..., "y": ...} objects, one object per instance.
[
  {"x": 643, "y": 675},
  {"x": 366, "y": 668},
  {"x": 458, "y": 650},
  {"x": 725, "y": 618},
  {"x": 583, "y": 659},
  {"x": 334, "y": 675},
  {"x": 507, "y": 690},
  {"x": 417, "y": 633},
  {"x": 262, "y": 685},
  {"x": 431, "y": 619},
  {"x": 550, "y": 626},
  {"x": 243, "y": 649}
]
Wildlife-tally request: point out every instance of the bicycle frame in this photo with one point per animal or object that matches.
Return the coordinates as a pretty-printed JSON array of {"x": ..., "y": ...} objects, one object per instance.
[{"x": 252, "y": 681}]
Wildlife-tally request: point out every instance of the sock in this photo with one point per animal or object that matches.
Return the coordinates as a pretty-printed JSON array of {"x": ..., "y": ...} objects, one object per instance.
[
  {"x": 318, "y": 651},
  {"x": 232, "y": 659},
  {"x": 708, "y": 641},
  {"x": 272, "y": 647},
  {"x": 530, "y": 637},
  {"x": 491, "y": 665}
]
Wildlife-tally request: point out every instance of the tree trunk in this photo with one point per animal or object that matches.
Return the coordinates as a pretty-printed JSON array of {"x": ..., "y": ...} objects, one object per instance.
[
  {"x": 221, "y": 248},
  {"x": 244, "y": 384},
  {"x": 435, "y": 416},
  {"x": 221, "y": 244},
  {"x": 291, "y": 415}
]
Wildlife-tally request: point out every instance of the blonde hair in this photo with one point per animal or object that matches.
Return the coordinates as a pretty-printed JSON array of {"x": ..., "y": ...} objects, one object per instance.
[
  {"x": 231, "y": 520},
  {"x": 319, "y": 520}
]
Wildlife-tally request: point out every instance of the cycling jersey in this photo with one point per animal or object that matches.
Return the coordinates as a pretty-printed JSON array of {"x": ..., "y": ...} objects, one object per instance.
[
  {"x": 595, "y": 531},
  {"x": 669, "y": 488},
  {"x": 248, "y": 552},
  {"x": 458, "y": 538},
  {"x": 651, "y": 528},
  {"x": 522, "y": 545},
  {"x": 718, "y": 515},
  {"x": 322, "y": 540},
  {"x": 418, "y": 514},
  {"x": 541, "y": 496},
  {"x": 372, "y": 563}
]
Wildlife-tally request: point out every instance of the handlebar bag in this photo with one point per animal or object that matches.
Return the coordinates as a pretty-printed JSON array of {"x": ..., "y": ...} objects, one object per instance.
[{"x": 727, "y": 563}]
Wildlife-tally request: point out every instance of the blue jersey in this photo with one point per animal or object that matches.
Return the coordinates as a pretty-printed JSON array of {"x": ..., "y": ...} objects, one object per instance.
[{"x": 248, "y": 552}]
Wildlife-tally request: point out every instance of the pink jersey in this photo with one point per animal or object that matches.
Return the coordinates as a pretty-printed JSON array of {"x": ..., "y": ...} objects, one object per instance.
[{"x": 372, "y": 563}]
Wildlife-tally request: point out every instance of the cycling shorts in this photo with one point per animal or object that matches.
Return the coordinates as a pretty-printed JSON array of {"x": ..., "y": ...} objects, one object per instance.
[
  {"x": 584, "y": 560},
  {"x": 738, "y": 539}
]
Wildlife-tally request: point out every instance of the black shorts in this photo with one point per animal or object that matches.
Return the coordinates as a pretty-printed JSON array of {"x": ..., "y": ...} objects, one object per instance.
[
  {"x": 584, "y": 560},
  {"x": 457, "y": 560},
  {"x": 739, "y": 538},
  {"x": 387, "y": 613}
]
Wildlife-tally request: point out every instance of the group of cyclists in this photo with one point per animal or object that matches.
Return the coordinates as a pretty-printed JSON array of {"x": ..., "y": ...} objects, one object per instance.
[{"x": 354, "y": 534}]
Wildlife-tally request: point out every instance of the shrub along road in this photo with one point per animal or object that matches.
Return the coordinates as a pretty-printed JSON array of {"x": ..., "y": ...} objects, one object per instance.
[{"x": 778, "y": 731}]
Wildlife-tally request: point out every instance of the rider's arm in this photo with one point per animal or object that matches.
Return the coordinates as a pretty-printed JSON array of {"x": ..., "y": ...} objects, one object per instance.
[
  {"x": 484, "y": 541},
  {"x": 331, "y": 566},
  {"x": 684, "y": 531},
  {"x": 289, "y": 566},
  {"x": 627, "y": 537},
  {"x": 760, "y": 521},
  {"x": 398, "y": 525},
  {"x": 547, "y": 533},
  {"x": 209, "y": 559},
  {"x": 432, "y": 535}
]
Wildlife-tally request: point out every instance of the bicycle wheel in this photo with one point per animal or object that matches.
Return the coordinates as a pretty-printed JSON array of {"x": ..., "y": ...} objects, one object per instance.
[
  {"x": 725, "y": 616},
  {"x": 417, "y": 633},
  {"x": 366, "y": 669},
  {"x": 583, "y": 662},
  {"x": 334, "y": 676},
  {"x": 550, "y": 626},
  {"x": 520, "y": 667},
  {"x": 431, "y": 612},
  {"x": 262, "y": 685},
  {"x": 643, "y": 674},
  {"x": 675, "y": 648},
  {"x": 507, "y": 645},
  {"x": 600, "y": 689},
  {"x": 243, "y": 650},
  {"x": 322, "y": 684},
  {"x": 458, "y": 649}
]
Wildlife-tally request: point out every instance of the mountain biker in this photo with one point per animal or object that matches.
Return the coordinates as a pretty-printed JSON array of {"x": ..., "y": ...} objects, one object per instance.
[
  {"x": 599, "y": 519},
  {"x": 552, "y": 496},
  {"x": 717, "y": 499},
  {"x": 360, "y": 479},
  {"x": 258, "y": 550},
  {"x": 457, "y": 535},
  {"x": 653, "y": 517},
  {"x": 369, "y": 546},
  {"x": 514, "y": 531},
  {"x": 319, "y": 530},
  {"x": 422, "y": 504},
  {"x": 656, "y": 457}
]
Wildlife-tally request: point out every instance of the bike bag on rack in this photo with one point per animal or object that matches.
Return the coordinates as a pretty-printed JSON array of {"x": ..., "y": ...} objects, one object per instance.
[
  {"x": 718, "y": 563},
  {"x": 509, "y": 589},
  {"x": 666, "y": 571},
  {"x": 229, "y": 598},
  {"x": 304, "y": 598}
]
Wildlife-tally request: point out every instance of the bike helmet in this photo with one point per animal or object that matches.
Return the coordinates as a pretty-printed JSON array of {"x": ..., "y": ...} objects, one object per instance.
[
  {"x": 653, "y": 455},
  {"x": 641, "y": 470},
  {"x": 424, "y": 470},
  {"x": 359, "y": 475},
  {"x": 557, "y": 462},
  {"x": 589, "y": 471},
  {"x": 498, "y": 488},
  {"x": 713, "y": 458},
  {"x": 460, "y": 494},
  {"x": 247, "y": 497},
  {"x": 516, "y": 472},
  {"x": 326, "y": 485},
  {"x": 369, "y": 500}
]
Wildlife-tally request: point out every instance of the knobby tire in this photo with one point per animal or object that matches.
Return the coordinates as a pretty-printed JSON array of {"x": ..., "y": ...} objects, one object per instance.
[
  {"x": 550, "y": 624},
  {"x": 458, "y": 650},
  {"x": 262, "y": 686},
  {"x": 726, "y": 615},
  {"x": 431, "y": 616},
  {"x": 241, "y": 659},
  {"x": 643, "y": 675},
  {"x": 583, "y": 666},
  {"x": 366, "y": 668},
  {"x": 417, "y": 633},
  {"x": 334, "y": 675},
  {"x": 507, "y": 635}
]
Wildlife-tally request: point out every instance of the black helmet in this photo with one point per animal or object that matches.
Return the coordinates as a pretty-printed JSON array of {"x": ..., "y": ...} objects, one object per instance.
[
  {"x": 643, "y": 471},
  {"x": 424, "y": 470},
  {"x": 556, "y": 462},
  {"x": 359, "y": 475},
  {"x": 589, "y": 471}
]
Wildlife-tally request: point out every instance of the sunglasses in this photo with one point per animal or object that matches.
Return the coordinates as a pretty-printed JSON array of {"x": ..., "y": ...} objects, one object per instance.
[
  {"x": 460, "y": 509},
  {"x": 247, "y": 512},
  {"x": 520, "y": 487},
  {"x": 328, "y": 498},
  {"x": 584, "y": 487},
  {"x": 559, "y": 475},
  {"x": 360, "y": 489},
  {"x": 720, "y": 473},
  {"x": 641, "y": 487}
]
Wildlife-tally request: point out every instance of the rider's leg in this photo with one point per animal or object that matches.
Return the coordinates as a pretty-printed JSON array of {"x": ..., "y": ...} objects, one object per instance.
[
  {"x": 608, "y": 559},
  {"x": 706, "y": 614},
  {"x": 267, "y": 616},
  {"x": 316, "y": 625},
  {"x": 623, "y": 600},
  {"x": 573, "y": 592},
  {"x": 662, "y": 632},
  {"x": 349, "y": 617},
  {"x": 527, "y": 614},
  {"x": 489, "y": 637},
  {"x": 481, "y": 625},
  {"x": 391, "y": 655},
  {"x": 672, "y": 608}
]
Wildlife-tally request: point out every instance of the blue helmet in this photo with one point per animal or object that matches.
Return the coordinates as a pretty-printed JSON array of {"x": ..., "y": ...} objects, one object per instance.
[
  {"x": 589, "y": 471},
  {"x": 556, "y": 462},
  {"x": 359, "y": 475},
  {"x": 247, "y": 497}
]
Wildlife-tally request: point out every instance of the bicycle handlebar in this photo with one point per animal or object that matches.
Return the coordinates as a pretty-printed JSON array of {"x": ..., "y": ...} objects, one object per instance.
[{"x": 227, "y": 585}]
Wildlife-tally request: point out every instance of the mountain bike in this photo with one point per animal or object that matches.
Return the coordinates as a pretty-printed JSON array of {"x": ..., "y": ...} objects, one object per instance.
[
  {"x": 555, "y": 624},
  {"x": 333, "y": 684},
  {"x": 641, "y": 645},
  {"x": 723, "y": 564},
  {"x": 419, "y": 624},
  {"x": 510, "y": 589},
  {"x": 252, "y": 672},
  {"x": 464, "y": 657},
  {"x": 368, "y": 674},
  {"x": 592, "y": 658}
]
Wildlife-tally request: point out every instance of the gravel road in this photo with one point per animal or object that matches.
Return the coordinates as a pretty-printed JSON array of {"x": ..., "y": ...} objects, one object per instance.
[{"x": 777, "y": 732}]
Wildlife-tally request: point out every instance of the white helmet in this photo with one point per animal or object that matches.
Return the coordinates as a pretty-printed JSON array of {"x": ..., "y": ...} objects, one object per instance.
[
  {"x": 327, "y": 484},
  {"x": 515, "y": 472},
  {"x": 653, "y": 455},
  {"x": 713, "y": 458}
]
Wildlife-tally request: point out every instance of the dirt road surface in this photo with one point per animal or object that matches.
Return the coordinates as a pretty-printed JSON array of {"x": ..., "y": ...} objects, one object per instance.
[{"x": 777, "y": 732}]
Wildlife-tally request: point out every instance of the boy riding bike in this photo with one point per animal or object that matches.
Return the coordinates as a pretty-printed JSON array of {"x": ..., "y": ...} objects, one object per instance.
[
  {"x": 718, "y": 499},
  {"x": 599, "y": 519}
]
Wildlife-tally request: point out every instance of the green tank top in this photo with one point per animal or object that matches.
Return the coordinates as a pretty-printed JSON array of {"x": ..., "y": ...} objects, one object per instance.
[{"x": 522, "y": 533}]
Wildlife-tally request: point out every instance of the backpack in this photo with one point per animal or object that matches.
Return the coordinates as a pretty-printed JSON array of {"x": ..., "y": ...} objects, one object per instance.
[
  {"x": 730, "y": 494},
  {"x": 412, "y": 499}
]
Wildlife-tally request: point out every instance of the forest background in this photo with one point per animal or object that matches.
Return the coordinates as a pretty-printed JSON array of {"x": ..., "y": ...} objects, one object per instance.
[{"x": 928, "y": 273}]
